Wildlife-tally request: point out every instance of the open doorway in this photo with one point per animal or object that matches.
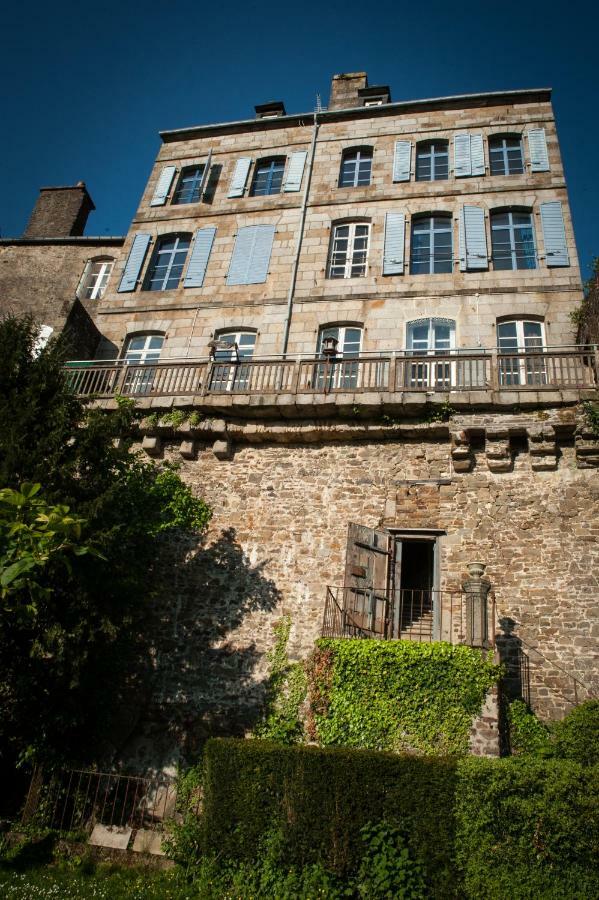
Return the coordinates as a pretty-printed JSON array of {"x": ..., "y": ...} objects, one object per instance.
[{"x": 414, "y": 585}]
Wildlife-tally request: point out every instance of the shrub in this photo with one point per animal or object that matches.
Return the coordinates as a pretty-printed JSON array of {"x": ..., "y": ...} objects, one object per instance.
[
  {"x": 577, "y": 736},
  {"x": 528, "y": 735}
]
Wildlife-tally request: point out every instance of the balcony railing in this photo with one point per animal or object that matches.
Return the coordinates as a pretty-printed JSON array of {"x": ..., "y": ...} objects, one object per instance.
[
  {"x": 423, "y": 615},
  {"x": 480, "y": 370}
]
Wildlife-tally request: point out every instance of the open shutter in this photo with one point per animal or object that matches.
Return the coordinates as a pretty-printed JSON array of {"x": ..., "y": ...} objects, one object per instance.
[
  {"x": 462, "y": 162},
  {"x": 366, "y": 594},
  {"x": 205, "y": 175},
  {"x": 134, "y": 263},
  {"x": 473, "y": 239},
  {"x": 240, "y": 176},
  {"x": 295, "y": 172},
  {"x": 554, "y": 234},
  {"x": 537, "y": 146},
  {"x": 260, "y": 257},
  {"x": 477, "y": 154},
  {"x": 163, "y": 186},
  {"x": 402, "y": 160},
  {"x": 251, "y": 254},
  {"x": 393, "y": 254},
  {"x": 200, "y": 254}
]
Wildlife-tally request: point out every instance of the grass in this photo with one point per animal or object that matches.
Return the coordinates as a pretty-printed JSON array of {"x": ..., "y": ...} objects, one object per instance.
[{"x": 101, "y": 882}]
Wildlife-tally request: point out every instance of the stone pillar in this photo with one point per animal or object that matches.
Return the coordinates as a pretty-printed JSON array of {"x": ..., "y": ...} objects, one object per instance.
[{"x": 476, "y": 589}]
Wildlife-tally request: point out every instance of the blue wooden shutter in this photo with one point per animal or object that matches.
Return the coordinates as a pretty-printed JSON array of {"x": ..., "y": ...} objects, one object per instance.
[
  {"x": 200, "y": 254},
  {"x": 473, "y": 239},
  {"x": 477, "y": 154},
  {"x": 163, "y": 186},
  {"x": 393, "y": 253},
  {"x": 554, "y": 234},
  {"x": 462, "y": 162},
  {"x": 295, "y": 172},
  {"x": 251, "y": 255},
  {"x": 134, "y": 263},
  {"x": 240, "y": 176},
  {"x": 402, "y": 160},
  {"x": 537, "y": 146}
]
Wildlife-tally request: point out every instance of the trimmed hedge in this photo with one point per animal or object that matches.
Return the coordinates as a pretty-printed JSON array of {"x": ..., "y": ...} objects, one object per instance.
[{"x": 518, "y": 828}]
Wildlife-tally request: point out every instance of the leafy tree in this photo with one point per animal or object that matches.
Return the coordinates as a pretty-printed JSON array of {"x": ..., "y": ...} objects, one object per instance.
[{"x": 80, "y": 658}]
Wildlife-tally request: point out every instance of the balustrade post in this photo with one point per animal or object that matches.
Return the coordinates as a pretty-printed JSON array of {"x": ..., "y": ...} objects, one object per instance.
[
  {"x": 477, "y": 587},
  {"x": 392, "y": 383},
  {"x": 596, "y": 366},
  {"x": 494, "y": 370}
]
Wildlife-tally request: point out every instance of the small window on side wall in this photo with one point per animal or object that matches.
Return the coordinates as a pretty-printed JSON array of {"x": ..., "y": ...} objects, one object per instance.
[
  {"x": 95, "y": 278},
  {"x": 356, "y": 167}
]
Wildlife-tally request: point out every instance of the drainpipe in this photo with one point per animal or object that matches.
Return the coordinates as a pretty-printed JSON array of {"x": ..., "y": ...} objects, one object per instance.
[{"x": 300, "y": 238}]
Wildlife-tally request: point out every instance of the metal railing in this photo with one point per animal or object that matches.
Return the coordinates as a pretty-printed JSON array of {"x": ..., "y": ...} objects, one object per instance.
[
  {"x": 80, "y": 799},
  {"x": 457, "y": 370},
  {"x": 420, "y": 615}
]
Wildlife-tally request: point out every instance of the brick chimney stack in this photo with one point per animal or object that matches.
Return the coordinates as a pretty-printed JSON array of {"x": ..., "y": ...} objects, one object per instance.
[
  {"x": 60, "y": 212},
  {"x": 344, "y": 90}
]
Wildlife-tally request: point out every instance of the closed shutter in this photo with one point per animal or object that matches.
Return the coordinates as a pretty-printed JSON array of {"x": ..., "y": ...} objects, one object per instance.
[
  {"x": 537, "y": 146},
  {"x": 402, "y": 160},
  {"x": 477, "y": 154},
  {"x": 163, "y": 186},
  {"x": 251, "y": 255},
  {"x": 554, "y": 234},
  {"x": 462, "y": 165},
  {"x": 295, "y": 172},
  {"x": 240, "y": 176},
  {"x": 200, "y": 254},
  {"x": 393, "y": 254},
  {"x": 134, "y": 263},
  {"x": 473, "y": 239}
]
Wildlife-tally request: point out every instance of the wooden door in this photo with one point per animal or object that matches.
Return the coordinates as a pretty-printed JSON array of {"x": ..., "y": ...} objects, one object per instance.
[{"x": 366, "y": 587}]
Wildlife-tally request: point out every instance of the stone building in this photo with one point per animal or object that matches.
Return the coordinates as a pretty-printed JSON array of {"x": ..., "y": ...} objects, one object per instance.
[
  {"x": 54, "y": 271},
  {"x": 362, "y": 317}
]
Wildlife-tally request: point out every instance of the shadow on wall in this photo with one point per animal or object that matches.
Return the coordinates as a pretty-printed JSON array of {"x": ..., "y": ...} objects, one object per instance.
[{"x": 205, "y": 681}]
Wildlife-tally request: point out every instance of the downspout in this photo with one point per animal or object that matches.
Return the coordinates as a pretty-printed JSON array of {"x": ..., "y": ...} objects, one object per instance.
[{"x": 300, "y": 238}]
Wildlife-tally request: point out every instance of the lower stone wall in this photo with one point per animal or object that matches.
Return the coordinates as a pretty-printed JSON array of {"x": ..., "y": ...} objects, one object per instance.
[{"x": 278, "y": 537}]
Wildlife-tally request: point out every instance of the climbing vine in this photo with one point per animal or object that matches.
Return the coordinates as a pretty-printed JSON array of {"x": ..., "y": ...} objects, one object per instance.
[{"x": 285, "y": 694}]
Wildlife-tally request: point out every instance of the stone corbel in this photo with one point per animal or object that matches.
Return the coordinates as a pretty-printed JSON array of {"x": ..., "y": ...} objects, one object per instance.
[
  {"x": 586, "y": 445},
  {"x": 542, "y": 448},
  {"x": 461, "y": 453},
  {"x": 152, "y": 444},
  {"x": 498, "y": 450}
]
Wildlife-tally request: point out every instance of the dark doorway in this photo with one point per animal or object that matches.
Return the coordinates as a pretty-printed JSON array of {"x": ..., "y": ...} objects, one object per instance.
[{"x": 414, "y": 586}]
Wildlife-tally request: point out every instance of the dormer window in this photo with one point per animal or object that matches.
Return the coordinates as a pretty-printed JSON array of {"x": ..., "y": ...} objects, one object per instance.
[
  {"x": 272, "y": 110},
  {"x": 377, "y": 95}
]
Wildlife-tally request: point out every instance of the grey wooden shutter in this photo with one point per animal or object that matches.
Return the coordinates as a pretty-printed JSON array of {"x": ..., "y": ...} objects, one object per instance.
[
  {"x": 200, "y": 254},
  {"x": 134, "y": 263},
  {"x": 367, "y": 575},
  {"x": 163, "y": 186},
  {"x": 402, "y": 160},
  {"x": 537, "y": 146},
  {"x": 477, "y": 154},
  {"x": 295, "y": 172},
  {"x": 240, "y": 175},
  {"x": 554, "y": 234},
  {"x": 251, "y": 255},
  {"x": 393, "y": 253},
  {"x": 462, "y": 162},
  {"x": 205, "y": 175},
  {"x": 473, "y": 239}
]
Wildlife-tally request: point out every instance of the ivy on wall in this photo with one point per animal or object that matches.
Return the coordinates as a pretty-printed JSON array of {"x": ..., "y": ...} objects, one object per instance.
[
  {"x": 396, "y": 695},
  {"x": 285, "y": 694}
]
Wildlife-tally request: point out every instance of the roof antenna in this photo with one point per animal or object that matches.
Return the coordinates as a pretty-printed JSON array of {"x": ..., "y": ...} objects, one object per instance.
[{"x": 319, "y": 107}]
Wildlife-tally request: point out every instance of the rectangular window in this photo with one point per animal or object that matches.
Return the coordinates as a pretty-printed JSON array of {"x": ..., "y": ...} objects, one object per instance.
[
  {"x": 349, "y": 251},
  {"x": 189, "y": 188},
  {"x": 356, "y": 167}
]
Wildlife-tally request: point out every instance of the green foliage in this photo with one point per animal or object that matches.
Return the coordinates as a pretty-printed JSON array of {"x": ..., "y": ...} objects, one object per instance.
[
  {"x": 591, "y": 415},
  {"x": 195, "y": 419},
  {"x": 586, "y": 317},
  {"x": 175, "y": 418},
  {"x": 183, "y": 838},
  {"x": 441, "y": 413},
  {"x": 67, "y": 671},
  {"x": 528, "y": 735},
  {"x": 396, "y": 695},
  {"x": 527, "y": 828},
  {"x": 285, "y": 694},
  {"x": 576, "y": 737},
  {"x": 387, "y": 870}
]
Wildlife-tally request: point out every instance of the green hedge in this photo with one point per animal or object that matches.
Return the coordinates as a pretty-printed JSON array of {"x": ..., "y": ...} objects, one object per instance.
[
  {"x": 397, "y": 695},
  {"x": 518, "y": 828}
]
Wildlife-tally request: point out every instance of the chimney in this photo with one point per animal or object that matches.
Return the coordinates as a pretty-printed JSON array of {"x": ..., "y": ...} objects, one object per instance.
[
  {"x": 60, "y": 212},
  {"x": 344, "y": 90}
]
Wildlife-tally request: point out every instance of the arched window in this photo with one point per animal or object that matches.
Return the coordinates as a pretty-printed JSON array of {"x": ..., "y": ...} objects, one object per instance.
[
  {"x": 349, "y": 250},
  {"x": 140, "y": 351},
  {"x": 519, "y": 341},
  {"x": 356, "y": 167},
  {"x": 432, "y": 160},
  {"x": 268, "y": 176},
  {"x": 431, "y": 248},
  {"x": 513, "y": 240},
  {"x": 95, "y": 278},
  {"x": 340, "y": 346},
  {"x": 189, "y": 186},
  {"x": 166, "y": 267},
  {"x": 232, "y": 347},
  {"x": 429, "y": 338},
  {"x": 505, "y": 154}
]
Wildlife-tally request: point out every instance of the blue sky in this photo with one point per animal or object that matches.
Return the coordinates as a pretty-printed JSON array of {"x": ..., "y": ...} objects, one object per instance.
[{"x": 91, "y": 84}]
